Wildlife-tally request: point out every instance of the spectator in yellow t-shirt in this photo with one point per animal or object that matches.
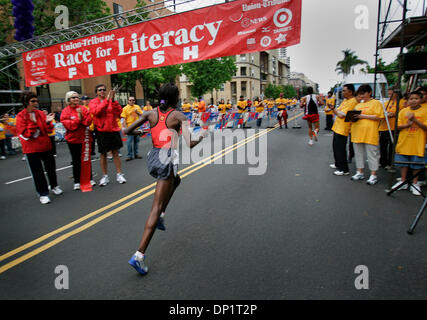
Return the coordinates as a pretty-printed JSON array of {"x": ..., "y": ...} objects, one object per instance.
[
  {"x": 386, "y": 146},
  {"x": 130, "y": 113},
  {"x": 423, "y": 90},
  {"x": 186, "y": 107},
  {"x": 329, "y": 111},
  {"x": 282, "y": 112},
  {"x": 410, "y": 147},
  {"x": 242, "y": 105},
  {"x": 364, "y": 133},
  {"x": 259, "y": 108},
  {"x": 341, "y": 130},
  {"x": 148, "y": 106},
  {"x": 229, "y": 105}
]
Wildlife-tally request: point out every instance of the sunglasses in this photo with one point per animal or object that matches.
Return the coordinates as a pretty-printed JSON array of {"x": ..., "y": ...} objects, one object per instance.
[
  {"x": 34, "y": 101},
  {"x": 74, "y": 97},
  {"x": 102, "y": 89}
]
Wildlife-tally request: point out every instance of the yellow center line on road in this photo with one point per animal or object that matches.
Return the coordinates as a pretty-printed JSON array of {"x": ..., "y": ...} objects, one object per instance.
[{"x": 202, "y": 163}]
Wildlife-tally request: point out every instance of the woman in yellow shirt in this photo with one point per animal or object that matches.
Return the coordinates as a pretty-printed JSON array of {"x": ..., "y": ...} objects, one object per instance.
[
  {"x": 365, "y": 135},
  {"x": 410, "y": 146}
]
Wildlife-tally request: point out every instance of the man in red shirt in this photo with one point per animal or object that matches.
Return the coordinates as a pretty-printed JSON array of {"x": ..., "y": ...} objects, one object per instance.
[{"x": 106, "y": 113}]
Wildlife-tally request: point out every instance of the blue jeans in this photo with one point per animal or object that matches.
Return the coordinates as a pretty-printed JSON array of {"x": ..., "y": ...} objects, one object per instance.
[{"x": 132, "y": 145}]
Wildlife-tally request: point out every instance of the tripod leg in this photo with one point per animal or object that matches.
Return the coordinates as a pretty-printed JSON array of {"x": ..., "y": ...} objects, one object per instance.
[{"x": 418, "y": 217}]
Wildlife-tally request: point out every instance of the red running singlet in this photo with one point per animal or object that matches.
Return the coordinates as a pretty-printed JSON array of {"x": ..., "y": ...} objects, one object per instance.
[{"x": 160, "y": 133}]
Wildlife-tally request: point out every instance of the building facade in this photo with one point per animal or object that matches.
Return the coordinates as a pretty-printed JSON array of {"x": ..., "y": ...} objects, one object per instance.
[{"x": 299, "y": 80}]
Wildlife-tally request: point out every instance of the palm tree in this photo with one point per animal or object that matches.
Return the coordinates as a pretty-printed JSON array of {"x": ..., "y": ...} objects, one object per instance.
[{"x": 346, "y": 65}]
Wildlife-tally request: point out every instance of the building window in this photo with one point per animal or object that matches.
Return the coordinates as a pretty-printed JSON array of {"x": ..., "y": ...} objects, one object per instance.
[
  {"x": 233, "y": 88},
  {"x": 76, "y": 85},
  {"x": 243, "y": 57},
  {"x": 243, "y": 88},
  {"x": 243, "y": 71},
  {"x": 222, "y": 88}
]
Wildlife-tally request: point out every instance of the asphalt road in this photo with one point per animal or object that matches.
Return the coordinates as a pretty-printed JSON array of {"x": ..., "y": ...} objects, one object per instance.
[{"x": 294, "y": 232}]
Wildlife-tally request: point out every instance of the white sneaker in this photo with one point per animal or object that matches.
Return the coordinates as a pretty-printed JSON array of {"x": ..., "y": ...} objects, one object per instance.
[
  {"x": 44, "y": 199},
  {"x": 358, "y": 176},
  {"x": 421, "y": 183},
  {"x": 3, "y": 158},
  {"x": 372, "y": 180},
  {"x": 120, "y": 178},
  {"x": 77, "y": 186},
  {"x": 104, "y": 181},
  {"x": 333, "y": 166},
  {"x": 341, "y": 173},
  {"x": 57, "y": 191},
  {"x": 23, "y": 158},
  {"x": 310, "y": 142},
  {"x": 415, "y": 190},
  {"x": 404, "y": 187},
  {"x": 92, "y": 183}
]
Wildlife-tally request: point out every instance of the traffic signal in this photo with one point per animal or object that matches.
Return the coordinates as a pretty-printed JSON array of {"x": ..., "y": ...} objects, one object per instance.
[{"x": 23, "y": 13}]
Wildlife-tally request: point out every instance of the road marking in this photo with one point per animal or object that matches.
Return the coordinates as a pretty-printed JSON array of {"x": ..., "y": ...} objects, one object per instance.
[
  {"x": 203, "y": 163},
  {"x": 29, "y": 177}
]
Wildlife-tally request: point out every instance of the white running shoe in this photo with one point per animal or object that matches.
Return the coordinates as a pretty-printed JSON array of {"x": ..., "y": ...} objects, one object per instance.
[
  {"x": 404, "y": 187},
  {"x": 421, "y": 183},
  {"x": 341, "y": 173},
  {"x": 44, "y": 199},
  {"x": 358, "y": 176},
  {"x": 120, "y": 178},
  {"x": 372, "y": 180},
  {"x": 3, "y": 158},
  {"x": 415, "y": 190},
  {"x": 92, "y": 183},
  {"x": 57, "y": 191},
  {"x": 23, "y": 158},
  {"x": 333, "y": 166},
  {"x": 310, "y": 142},
  {"x": 104, "y": 181},
  {"x": 77, "y": 186}
]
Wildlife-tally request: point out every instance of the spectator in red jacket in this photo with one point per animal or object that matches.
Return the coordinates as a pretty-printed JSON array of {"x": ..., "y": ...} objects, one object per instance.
[
  {"x": 76, "y": 119},
  {"x": 106, "y": 113},
  {"x": 33, "y": 127}
]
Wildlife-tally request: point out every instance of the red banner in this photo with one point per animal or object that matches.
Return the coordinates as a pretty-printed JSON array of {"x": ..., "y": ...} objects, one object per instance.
[{"x": 222, "y": 30}]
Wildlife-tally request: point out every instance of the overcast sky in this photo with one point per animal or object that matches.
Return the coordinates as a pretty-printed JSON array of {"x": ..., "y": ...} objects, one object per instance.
[{"x": 327, "y": 28}]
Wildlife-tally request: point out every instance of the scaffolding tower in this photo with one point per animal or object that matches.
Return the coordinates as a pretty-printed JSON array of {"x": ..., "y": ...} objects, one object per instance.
[{"x": 408, "y": 31}]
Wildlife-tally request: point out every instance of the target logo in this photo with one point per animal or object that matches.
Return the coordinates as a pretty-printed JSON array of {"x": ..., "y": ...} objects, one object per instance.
[
  {"x": 265, "y": 41},
  {"x": 282, "y": 17}
]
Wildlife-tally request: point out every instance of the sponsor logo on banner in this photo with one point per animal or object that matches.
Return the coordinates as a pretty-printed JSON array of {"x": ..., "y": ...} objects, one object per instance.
[
  {"x": 265, "y": 41},
  {"x": 282, "y": 17},
  {"x": 195, "y": 35}
]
